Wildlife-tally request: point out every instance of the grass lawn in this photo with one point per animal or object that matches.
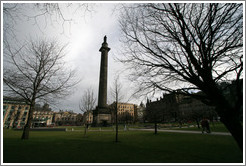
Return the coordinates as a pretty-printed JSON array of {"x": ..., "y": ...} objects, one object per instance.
[
  {"x": 216, "y": 127},
  {"x": 134, "y": 147}
]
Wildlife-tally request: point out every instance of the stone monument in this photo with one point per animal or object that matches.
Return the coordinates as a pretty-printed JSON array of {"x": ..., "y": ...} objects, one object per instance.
[{"x": 101, "y": 114}]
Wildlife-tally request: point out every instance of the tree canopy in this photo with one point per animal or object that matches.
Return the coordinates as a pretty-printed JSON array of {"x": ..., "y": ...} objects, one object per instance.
[
  {"x": 170, "y": 46},
  {"x": 189, "y": 47}
]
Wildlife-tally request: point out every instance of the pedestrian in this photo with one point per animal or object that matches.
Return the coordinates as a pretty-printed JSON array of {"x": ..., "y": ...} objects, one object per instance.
[
  {"x": 205, "y": 125},
  {"x": 208, "y": 126}
]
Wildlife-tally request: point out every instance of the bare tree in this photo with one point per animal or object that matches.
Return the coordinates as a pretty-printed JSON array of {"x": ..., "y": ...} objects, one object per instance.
[
  {"x": 116, "y": 93},
  {"x": 36, "y": 71},
  {"x": 41, "y": 14},
  {"x": 87, "y": 103},
  {"x": 154, "y": 114},
  {"x": 189, "y": 47}
]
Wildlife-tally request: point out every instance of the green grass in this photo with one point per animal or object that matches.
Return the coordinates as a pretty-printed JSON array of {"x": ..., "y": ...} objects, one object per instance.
[
  {"x": 216, "y": 127},
  {"x": 134, "y": 147}
]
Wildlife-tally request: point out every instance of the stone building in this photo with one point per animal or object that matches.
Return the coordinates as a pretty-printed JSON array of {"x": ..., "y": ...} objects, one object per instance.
[
  {"x": 88, "y": 117},
  {"x": 126, "y": 108},
  {"x": 65, "y": 118},
  {"x": 42, "y": 118},
  {"x": 126, "y": 112},
  {"x": 164, "y": 109},
  {"x": 176, "y": 107},
  {"x": 15, "y": 112}
]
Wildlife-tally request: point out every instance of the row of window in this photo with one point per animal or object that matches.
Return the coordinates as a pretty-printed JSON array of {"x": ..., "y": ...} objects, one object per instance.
[
  {"x": 9, "y": 119},
  {"x": 36, "y": 117},
  {"x": 58, "y": 119},
  {"x": 42, "y": 113},
  {"x": 5, "y": 107},
  {"x": 122, "y": 113},
  {"x": 128, "y": 107},
  {"x": 16, "y": 116}
]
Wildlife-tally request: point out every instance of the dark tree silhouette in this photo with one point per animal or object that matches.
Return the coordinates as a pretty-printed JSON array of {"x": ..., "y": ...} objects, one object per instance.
[
  {"x": 125, "y": 117},
  {"x": 36, "y": 71},
  {"x": 117, "y": 96},
  {"x": 87, "y": 103},
  {"x": 154, "y": 114},
  {"x": 188, "y": 47}
]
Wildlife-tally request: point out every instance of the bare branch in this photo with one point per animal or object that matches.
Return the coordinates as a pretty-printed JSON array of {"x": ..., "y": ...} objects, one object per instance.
[
  {"x": 189, "y": 47},
  {"x": 88, "y": 101}
]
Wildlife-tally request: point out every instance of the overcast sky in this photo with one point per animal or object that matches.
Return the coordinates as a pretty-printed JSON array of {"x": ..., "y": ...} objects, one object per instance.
[{"x": 84, "y": 37}]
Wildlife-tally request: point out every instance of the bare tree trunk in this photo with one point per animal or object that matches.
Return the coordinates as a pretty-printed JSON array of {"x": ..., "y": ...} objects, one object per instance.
[
  {"x": 234, "y": 127},
  {"x": 155, "y": 127},
  {"x": 229, "y": 115},
  {"x": 85, "y": 129},
  {"x": 116, "y": 122},
  {"x": 197, "y": 122},
  {"x": 25, "y": 134}
]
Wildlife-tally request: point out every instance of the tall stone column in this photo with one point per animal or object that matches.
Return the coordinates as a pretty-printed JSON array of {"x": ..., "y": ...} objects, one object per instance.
[
  {"x": 102, "y": 114},
  {"x": 102, "y": 94}
]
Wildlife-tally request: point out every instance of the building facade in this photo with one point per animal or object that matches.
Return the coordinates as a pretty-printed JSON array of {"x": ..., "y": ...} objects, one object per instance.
[
  {"x": 42, "y": 118},
  {"x": 176, "y": 107},
  {"x": 126, "y": 112},
  {"x": 66, "y": 118},
  {"x": 124, "y": 108},
  {"x": 15, "y": 112},
  {"x": 164, "y": 109}
]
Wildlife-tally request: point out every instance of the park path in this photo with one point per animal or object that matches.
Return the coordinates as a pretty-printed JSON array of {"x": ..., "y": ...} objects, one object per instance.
[
  {"x": 163, "y": 130},
  {"x": 183, "y": 131}
]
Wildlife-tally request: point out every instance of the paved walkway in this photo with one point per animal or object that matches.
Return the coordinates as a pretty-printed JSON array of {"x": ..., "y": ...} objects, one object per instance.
[
  {"x": 183, "y": 131},
  {"x": 165, "y": 130}
]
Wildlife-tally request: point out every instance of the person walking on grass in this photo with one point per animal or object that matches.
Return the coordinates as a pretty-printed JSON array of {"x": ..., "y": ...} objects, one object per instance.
[{"x": 205, "y": 125}]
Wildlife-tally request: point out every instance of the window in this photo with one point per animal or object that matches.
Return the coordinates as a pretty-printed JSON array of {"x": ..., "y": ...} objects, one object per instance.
[
  {"x": 13, "y": 107},
  {"x": 26, "y": 108},
  {"x": 5, "y": 107}
]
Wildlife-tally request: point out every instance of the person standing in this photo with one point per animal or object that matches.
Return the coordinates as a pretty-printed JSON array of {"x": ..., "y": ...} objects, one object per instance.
[{"x": 205, "y": 125}]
